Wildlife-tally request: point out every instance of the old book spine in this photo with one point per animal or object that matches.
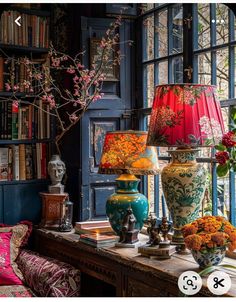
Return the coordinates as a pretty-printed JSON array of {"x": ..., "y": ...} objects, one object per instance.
[{"x": 22, "y": 171}]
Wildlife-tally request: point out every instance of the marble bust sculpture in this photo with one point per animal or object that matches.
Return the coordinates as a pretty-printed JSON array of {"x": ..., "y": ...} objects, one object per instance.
[{"x": 56, "y": 171}]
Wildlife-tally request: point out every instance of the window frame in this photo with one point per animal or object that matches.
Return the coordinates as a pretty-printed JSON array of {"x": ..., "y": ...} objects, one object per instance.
[{"x": 190, "y": 54}]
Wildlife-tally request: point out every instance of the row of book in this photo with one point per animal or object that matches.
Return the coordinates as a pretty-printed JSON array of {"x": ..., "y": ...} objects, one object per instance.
[
  {"x": 24, "y": 162},
  {"x": 96, "y": 233},
  {"x": 26, "y": 121},
  {"x": 33, "y": 32},
  {"x": 17, "y": 76}
]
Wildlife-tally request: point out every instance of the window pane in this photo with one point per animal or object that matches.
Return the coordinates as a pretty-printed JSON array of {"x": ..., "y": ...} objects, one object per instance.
[
  {"x": 161, "y": 31},
  {"x": 222, "y": 24},
  {"x": 148, "y": 41},
  {"x": 177, "y": 29},
  {"x": 222, "y": 73},
  {"x": 144, "y": 7},
  {"x": 225, "y": 113},
  {"x": 162, "y": 72},
  {"x": 149, "y": 85},
  {"x": 177, "y": 70},
  {"x": 203, "y": 25},
  {"x": 204, "y": 68}
]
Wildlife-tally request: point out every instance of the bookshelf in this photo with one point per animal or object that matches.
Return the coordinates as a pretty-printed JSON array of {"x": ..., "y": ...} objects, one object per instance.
[{"x": 26, "y": 130}]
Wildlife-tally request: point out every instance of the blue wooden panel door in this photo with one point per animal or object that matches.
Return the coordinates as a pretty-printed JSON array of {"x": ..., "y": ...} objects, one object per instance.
[{"x": 107, "y": 114}]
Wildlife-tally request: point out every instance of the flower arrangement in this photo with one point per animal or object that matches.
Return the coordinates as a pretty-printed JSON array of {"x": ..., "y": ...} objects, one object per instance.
[
  {"x": 226, "y": 149},
  {"x": 208, "y": 233}
]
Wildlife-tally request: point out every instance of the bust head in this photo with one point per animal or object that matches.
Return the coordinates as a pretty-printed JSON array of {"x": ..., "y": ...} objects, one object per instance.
[{"x": 56, "y": 170}]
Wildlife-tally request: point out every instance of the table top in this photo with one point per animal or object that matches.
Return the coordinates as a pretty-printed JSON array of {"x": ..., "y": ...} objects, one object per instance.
[{"x": 168, "y": 269}]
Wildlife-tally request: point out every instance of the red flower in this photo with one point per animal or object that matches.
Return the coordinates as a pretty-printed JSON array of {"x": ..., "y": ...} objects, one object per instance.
[
  {"x": 228, "y": 139},
  {"x": 222, "y": 157}
]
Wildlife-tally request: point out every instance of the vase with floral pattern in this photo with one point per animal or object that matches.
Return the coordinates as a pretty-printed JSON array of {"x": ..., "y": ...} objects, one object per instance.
[
  {"x": 209, "y": 257},
  {"x": 183, "y": 182}
]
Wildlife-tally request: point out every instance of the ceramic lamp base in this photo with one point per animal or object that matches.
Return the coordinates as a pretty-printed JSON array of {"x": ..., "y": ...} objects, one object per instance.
[
  {"x": 126, "y": 196},
  {"x": 183, "y": 183}
]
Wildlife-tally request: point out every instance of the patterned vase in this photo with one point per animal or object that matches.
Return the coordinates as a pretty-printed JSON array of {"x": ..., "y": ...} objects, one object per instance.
[
  {"x": 183, "y": 182},
  {"x": 127, "y": 195},
  {"x": 209, "y": 258}
]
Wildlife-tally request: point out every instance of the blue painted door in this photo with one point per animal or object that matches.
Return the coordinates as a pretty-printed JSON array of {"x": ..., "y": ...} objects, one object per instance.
[{"x": 107, "y": 114}]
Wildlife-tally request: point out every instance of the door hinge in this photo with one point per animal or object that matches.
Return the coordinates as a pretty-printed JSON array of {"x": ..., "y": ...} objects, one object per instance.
[{"x": 126, "y": 115}]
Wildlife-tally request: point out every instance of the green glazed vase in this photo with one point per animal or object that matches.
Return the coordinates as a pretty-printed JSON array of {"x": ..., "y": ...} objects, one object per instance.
[
  {"x": 126, "y": 195},
  {"x": 183, "y": 182}
]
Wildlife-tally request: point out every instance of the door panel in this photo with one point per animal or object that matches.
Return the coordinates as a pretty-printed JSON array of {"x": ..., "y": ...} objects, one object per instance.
[{"x": 107, "y": 114}]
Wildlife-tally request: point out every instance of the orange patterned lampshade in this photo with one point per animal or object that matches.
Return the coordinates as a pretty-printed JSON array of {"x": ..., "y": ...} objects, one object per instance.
[{"x": 125, "y": 152}]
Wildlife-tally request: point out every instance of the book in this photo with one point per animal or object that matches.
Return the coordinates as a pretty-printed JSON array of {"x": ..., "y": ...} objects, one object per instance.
[
  {"x": 90, "y": 227},
  {"x": 16, "y": 165},
  {"x": 3, "y": 164},
  {"x": 22, "y": 170},
  {"x": 99, "y": 240}
]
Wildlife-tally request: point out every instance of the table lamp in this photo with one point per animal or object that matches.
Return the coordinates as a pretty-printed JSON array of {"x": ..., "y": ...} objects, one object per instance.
[
  {"x": 125, "y": 153},
  {"x": 185, "y": 116}
]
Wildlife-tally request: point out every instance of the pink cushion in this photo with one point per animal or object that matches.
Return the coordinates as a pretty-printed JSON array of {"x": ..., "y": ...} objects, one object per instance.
[
  {"x": 15, "y": 291},
  {"x": 7, "y": 275},
  {"x": 48, "y": 277}
]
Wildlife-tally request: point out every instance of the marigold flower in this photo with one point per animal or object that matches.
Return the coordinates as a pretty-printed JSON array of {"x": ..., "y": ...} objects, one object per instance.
[
  {"x": 193, "y": 242},
  {"x": 220, "y": 238}
]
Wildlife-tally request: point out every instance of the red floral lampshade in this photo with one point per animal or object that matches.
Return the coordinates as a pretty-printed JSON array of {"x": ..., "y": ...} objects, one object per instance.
[
  {"x": 125, "y": 152},
  {"x": 185, "y": 115}
]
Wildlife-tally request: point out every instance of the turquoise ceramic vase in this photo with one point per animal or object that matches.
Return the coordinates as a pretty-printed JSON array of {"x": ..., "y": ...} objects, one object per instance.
[
  {"x": 126, "y": 196},
  {"x": 183, "y": 182}
]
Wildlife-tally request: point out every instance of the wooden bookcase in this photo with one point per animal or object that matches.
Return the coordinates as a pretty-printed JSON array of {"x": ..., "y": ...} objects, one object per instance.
[{"x": 23, "y": 154}]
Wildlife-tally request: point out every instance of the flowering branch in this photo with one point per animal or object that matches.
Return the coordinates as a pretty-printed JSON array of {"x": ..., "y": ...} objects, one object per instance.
[
  {"x": 226, "y": 155},
  {"x": 66, "y": 105}
]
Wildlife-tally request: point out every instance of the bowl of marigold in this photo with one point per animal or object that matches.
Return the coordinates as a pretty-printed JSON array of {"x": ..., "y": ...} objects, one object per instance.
[{"x": 208, "y": 238}]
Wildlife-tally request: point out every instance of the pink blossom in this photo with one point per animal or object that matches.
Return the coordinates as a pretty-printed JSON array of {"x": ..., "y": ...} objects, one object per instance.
[
  {"x": 15, "y": 103},
  {"x": 38, "y": 76},
  {"x": 8, "y": 87},
  {"x": 16, "y": 87},
  {"x": 103, "y": 44},
  {"x": 76, "y": 93},
  {"x": 70, "y": 70},
  {"x": 80, "y": 66},
  {"x": 26, "y": 84},
  {"x": 55, "y": 62},
  {"x": 75, "y": 79},
  {"x": 64, "y": 58},
  {"x": 73, "y": 117}
]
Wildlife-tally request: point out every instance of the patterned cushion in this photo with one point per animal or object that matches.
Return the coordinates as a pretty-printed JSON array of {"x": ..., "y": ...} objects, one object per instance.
[
  {"x": 7, "y": 275},
  {"x": 48, "y": 277},
  {"x": 20, "y": 235},
  {"x": 15, "y": 291}
]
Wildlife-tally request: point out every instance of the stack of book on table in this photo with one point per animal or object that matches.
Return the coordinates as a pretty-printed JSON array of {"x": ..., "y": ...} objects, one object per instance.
[
  {"x": 99, "y": 240},
  {"x": 93, "y": 226},
  {"x": 96, "y": 233}
]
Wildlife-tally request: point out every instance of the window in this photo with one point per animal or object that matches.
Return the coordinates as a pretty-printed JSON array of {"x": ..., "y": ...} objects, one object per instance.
[{"x": 208, "y": 30}]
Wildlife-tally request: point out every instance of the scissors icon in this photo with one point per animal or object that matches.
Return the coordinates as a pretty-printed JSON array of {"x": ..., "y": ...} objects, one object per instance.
[{"x": 218, "y": 282}]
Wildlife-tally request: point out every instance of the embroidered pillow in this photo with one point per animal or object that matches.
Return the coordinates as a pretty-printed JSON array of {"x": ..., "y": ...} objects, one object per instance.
[
  {"x": 48, "y": 277},
  {"x": 19, "y": 238},
  {"x": 7, "y": 275},
  {"x": 15, "y": 291}
]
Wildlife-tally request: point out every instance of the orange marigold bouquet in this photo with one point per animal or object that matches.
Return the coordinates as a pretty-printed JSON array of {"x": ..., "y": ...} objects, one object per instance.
[{"x": 209, "y": 232}]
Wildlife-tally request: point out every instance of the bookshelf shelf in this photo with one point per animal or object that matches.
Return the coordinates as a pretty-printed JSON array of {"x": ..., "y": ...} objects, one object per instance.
[
  {"x": 36, "y": 12},
  {"x": 24, "y": 141},
  {"x": 22, "y": 49},
  {"x": 18, "y": 94},
  {"x": 31, "y": 181}
]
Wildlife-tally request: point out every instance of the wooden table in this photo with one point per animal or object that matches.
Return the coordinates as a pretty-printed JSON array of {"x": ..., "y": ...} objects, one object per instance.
[{"x": 128, "y": 273}]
